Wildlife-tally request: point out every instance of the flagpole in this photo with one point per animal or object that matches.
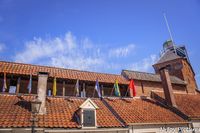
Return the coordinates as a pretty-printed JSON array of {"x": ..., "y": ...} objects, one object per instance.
[
  {"x": 84, "y": 92},
  {"x": 63, "y": 93},
  {"x": 111, "y": 91},
  {"x": 102, "y": 91},
  {"x": 170, "y": 34},
  {"x": 4, "y": 83},
  {"x": 98, "y": 89},
  {"x": 18, "y": 85},
  {"x": 127, "y": 91},
  {"x": 74, "y": 93},
  {"x": 30, "y": 82},
  {"x": 29, "y": 87},
  {"x": 76, "y": 88},
  {"x": 94, "y": 92},
  {"x": 94, "y": 88}
]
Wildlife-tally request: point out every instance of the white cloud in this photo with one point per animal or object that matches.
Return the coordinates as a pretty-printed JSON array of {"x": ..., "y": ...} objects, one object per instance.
[
  {"x": 62, "y": 52},
  {"x": 43, "y": 48},
  {"x": 145, "y": 64},
  {"x": 81, "y": 63},
  {"x": 122, "y": 51},
  {"x": 69, "y": 52},
  {"x": 87, "y": 44}
]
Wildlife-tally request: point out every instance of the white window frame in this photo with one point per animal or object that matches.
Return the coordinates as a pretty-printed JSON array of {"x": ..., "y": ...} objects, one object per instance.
[
  {"x": 82, "y": 119},
  {"x": 88, "y": 105}
]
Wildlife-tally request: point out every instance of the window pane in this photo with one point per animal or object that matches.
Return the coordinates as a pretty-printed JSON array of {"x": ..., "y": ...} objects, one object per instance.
[{"x": 88, "y": 118}]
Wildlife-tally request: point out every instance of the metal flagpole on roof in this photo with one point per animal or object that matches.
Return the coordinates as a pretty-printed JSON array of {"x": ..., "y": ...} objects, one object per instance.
[
  {"x": 102, "y": 91},
  {"x": 30, "y": 84},
  {"x": 93, "y": 93},
  {"x": 127, "y": 91},
  {"x": 76, "y": 88},
  {"x": 4, "y": 83},
  {"x": 94, "y": 88},
  {"x": 98, "y": 89},
  {"x": 84, "y": 91},
  {"x": 112, "y": 91},
  {"x": 168, "y": 28}
]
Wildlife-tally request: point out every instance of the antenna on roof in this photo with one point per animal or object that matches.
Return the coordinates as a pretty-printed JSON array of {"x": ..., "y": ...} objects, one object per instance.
[{"x": 168, "y": 28}]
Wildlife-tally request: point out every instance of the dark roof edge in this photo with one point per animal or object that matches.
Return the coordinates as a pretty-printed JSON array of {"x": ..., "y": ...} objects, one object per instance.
[{"x": 139, "y": 72}]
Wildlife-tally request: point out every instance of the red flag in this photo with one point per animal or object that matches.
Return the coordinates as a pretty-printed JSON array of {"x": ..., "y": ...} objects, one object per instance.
[{"x": 132, "y": 87}]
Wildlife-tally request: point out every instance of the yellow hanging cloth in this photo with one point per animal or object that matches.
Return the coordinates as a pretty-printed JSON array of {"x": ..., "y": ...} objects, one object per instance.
[{"x": 54, "y": 86}]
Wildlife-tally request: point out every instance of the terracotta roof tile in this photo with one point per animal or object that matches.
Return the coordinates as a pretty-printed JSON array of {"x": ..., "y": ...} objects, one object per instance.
[
  {"x": 187, "y": 103},
  {"x": 104, "y": 116},
  {"x": 139, "y": 110},
  {"x": 15, "y": 112},
  {"x": 60, "y": 112},
  {"x": 27, "y": 69}
]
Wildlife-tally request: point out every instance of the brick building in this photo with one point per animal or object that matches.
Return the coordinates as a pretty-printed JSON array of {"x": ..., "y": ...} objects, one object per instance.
[{"x": 168, "y": 98}]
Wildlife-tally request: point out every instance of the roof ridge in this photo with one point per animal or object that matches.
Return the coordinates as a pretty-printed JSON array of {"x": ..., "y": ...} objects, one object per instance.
[
  {"x": 170, "y": 57},
  {"x": 154, "y": 74},
  {"x": 60, "y": 68},
  {"x": 140, "y": 72}
]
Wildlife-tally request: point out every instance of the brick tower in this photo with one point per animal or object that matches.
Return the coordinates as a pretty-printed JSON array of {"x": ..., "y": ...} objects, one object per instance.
[{"x": 176, "y": 60}]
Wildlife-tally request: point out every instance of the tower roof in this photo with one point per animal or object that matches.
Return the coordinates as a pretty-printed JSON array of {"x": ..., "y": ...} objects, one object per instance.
[{"x": 168, "y": 56}]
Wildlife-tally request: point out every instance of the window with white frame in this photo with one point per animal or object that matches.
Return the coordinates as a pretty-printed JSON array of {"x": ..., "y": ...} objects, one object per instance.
[
  {"x": 87, "y": 114},
  {"x": 88, "y": 118}
]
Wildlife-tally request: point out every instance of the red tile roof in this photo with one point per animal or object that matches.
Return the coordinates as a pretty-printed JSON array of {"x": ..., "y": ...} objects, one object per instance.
[
  {"x": 104, "y": 117},
  {"x": 27, "y": 69},
  {"x": 139, "y": 110},
  {"x": 15, "y": 112},
  {"x": 189, "y": 104}
]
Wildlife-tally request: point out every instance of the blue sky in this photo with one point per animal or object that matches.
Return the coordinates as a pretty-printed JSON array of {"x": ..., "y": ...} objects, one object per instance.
[{"x": 97, "y": 35}]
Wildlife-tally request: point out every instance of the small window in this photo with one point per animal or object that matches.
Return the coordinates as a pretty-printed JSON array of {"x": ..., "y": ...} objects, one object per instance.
[
  {"x": 87, "y": 113},
  {"x": 88, "y": 118}
]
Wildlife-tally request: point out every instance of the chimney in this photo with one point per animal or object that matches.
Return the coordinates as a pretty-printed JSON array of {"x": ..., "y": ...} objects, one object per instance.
[
  {"x": 167, "y": 86},
  {"x": 42, "y": 89}
]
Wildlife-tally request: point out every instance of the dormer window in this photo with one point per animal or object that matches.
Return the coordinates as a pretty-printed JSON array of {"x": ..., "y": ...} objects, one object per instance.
[
  {"x": 87, "y": 114},
  {"x": 88, "y": 118}
]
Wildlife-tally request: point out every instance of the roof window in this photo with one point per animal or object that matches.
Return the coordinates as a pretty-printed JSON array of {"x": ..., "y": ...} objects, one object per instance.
[{"x": 87, "y": 114}]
